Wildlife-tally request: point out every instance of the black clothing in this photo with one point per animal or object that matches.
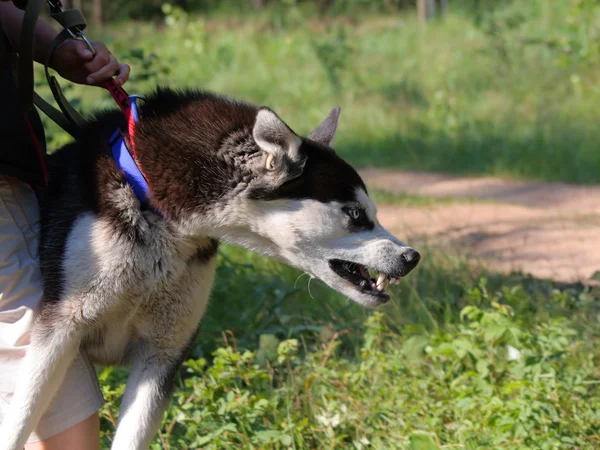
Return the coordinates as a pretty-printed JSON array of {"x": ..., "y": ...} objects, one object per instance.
[{"x": 22, "y": 140}]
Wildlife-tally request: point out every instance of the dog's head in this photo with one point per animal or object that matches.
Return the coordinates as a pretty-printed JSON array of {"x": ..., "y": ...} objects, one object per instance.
[{"x": 305, "y": 205}]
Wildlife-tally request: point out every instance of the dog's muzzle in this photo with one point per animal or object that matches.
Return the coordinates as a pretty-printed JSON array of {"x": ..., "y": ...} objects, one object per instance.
[{"x": 375, "y": 285}]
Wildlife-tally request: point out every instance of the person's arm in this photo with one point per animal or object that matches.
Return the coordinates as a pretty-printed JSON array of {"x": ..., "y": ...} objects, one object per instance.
[
  {"x": 72, "y": 59},
  {"x": 11, "y": 18}
]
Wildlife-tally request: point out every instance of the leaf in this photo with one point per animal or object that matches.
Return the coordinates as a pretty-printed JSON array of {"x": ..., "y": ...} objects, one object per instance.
[
  {"x": 414, "y": 346},
  {"x": 286, "y": 351},
  {"x": 286, "y": 440},
  {"x": 470, "y": 313},
  {"x": 203, "y": 440},
  {"x": 420, "y": 440},
  {"x": 482, "y": 368},
  {"x": 596, "y": 276},
  {"x": 494, "y": 332},
  {"x": 267, "y": 348},
  {"x": 267, "y": 436}
]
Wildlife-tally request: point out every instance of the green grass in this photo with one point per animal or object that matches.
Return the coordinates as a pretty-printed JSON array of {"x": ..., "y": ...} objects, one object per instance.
[
  {"x": 277, "y": 367},
  {"x": 383, "y": 197},
  {"x": 514, "y": 94}
]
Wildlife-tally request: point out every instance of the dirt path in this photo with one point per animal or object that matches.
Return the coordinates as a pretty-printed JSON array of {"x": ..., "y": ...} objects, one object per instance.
[{"x": 550, "y": 230}]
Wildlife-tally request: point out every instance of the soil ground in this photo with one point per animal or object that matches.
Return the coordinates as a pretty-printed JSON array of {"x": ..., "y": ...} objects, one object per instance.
[{"x": 549, "y": 230}]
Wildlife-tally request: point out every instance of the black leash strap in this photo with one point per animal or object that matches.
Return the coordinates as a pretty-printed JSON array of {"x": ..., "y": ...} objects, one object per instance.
[
  {"x": 69, "y": 119},
  {"x": 25, "y": 64}
]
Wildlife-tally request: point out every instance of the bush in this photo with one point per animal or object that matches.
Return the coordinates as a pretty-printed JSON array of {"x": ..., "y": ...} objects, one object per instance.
[{"x": 516, "y": 367}]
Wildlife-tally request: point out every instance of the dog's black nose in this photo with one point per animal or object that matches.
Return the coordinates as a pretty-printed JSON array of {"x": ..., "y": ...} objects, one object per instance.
[{"x": 410, "y": 258}]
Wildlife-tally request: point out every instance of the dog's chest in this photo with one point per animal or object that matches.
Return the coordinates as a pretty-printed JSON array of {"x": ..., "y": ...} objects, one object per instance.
[
  {"x": 113, "y": 341},
  {"x": 137, "y": 293},
  {"x": 159, "y": 318}
]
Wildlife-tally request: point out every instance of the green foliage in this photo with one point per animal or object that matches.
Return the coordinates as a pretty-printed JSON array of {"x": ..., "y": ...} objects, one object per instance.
[
  {"x": 381, "y": 197},
  {"x": 509, "y": 91},
  {"x": 276, "y": 9},
  {"x": 333, "y": 52},
  {"x": 192, "y": 33},
  {"x": 509, "y": 362}
]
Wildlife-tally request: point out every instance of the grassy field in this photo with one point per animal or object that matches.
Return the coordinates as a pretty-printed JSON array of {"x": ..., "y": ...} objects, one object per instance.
[
  {"x": 512, "y": 92},
  {"x": 381, "y": 197},
  {"x": 460, "y": 358}
]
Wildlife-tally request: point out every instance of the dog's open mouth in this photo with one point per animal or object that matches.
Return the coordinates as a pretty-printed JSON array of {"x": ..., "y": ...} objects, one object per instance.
[{"x": 359, "y": 276}]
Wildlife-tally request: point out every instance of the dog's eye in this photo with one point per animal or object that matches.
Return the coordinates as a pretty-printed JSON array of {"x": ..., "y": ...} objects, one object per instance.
[{"x": 354, "y": 213}]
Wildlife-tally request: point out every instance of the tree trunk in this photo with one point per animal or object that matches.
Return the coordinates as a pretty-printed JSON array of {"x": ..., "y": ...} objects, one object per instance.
[
  {"x": 97, "y": 18},
  {"x": 425, "y": 9},
  {"x": 258, "y": 4},
  {"x": 443, "y": 7}
]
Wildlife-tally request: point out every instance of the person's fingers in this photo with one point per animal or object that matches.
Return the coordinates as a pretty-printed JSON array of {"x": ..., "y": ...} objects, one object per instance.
[
  {"x": 123, "y": 75},
  {"x": 83, "y": 51},
  {"x": 101, "y": 58},
  {"x": 104, "y": 73}
]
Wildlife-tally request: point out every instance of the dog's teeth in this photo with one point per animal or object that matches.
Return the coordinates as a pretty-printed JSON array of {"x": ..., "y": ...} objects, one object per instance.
[
  {"x": 382, "y": 282},
  {"x": 270, "y": 165},
  {"x": 395, "y": 281}
]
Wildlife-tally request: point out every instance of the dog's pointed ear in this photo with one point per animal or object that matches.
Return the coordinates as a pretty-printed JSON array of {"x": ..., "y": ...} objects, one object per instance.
[
  {"x": 325, "y": 132},
  {"x": 282, "y": 157},
  {"x": 274, "y": 137}
]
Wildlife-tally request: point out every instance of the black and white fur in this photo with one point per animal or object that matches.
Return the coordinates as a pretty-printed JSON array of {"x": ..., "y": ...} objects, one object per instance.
[{"x": 129, "y": 286}]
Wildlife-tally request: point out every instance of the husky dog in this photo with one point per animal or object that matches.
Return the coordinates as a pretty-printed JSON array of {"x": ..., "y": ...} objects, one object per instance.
[{"x": 129, "y": 284}]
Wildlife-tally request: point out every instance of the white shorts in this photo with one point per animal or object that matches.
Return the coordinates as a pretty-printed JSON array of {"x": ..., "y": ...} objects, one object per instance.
[{"x": 20, "y": 296}]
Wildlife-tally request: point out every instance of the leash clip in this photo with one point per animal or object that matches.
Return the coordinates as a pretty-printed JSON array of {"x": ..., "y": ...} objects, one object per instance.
[{"x": 76, "y": 32}]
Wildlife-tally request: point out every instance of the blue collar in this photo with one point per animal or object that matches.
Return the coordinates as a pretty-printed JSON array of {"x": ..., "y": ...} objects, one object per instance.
[{"x": 125, "y": 161}]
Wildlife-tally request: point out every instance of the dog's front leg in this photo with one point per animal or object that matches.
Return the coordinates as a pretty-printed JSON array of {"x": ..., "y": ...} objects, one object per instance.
[
  {"x": 147, "y": 395},
  {"x": 50, "y": 354}
]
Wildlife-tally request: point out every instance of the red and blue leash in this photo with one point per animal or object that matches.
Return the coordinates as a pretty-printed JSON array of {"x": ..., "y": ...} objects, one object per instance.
[{"x": 124, "y": 155}]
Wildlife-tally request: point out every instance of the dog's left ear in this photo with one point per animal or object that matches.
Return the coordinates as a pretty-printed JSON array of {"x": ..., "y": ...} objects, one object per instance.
[
  {"x": 325, "y": 132},
  {"x": 277, "y": 139}
]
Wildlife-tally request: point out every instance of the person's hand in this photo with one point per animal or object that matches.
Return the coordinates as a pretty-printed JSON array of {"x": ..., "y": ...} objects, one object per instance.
[{"x": 74, "y": 61}]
